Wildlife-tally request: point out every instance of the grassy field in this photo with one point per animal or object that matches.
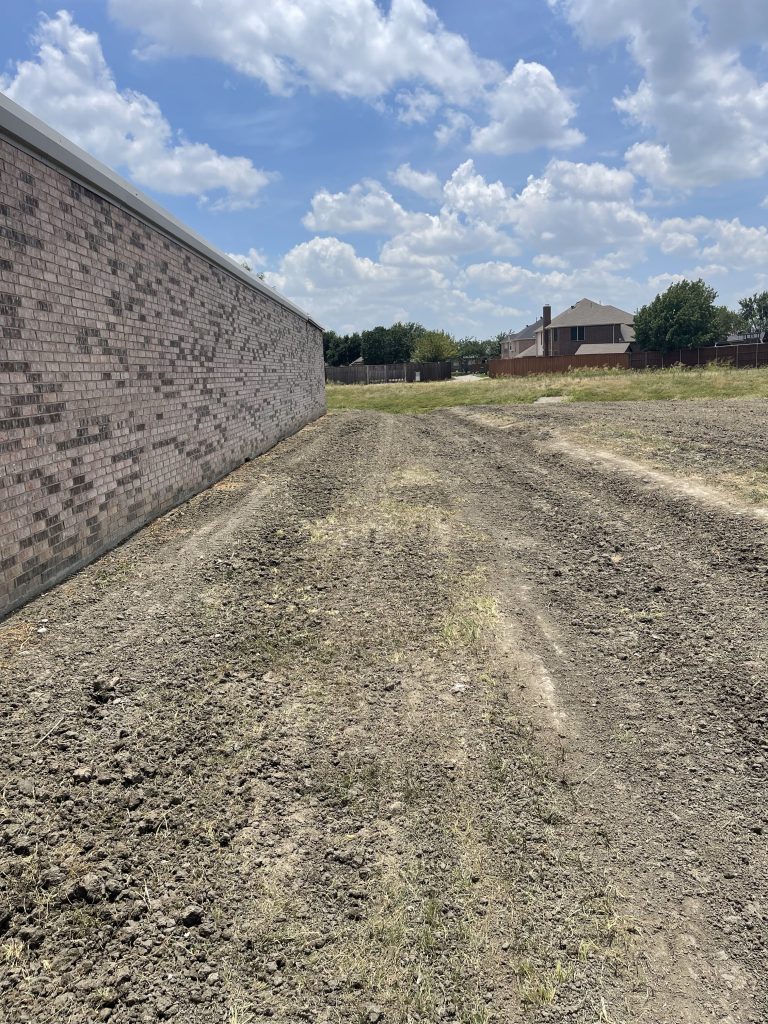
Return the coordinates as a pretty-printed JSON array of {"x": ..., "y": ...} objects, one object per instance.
[{"x": 582, "y": 386}]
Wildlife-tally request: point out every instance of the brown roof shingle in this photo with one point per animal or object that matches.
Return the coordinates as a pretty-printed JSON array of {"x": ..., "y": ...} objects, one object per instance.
[{"x": 586, "y": 313}]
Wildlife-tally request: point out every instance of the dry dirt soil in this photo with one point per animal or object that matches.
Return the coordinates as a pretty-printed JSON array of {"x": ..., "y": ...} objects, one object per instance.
[{"x": 459, "y": 717}]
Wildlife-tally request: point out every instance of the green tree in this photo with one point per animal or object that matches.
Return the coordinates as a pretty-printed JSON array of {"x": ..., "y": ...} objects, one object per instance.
[
  {"x": 329, "y": 338},
  {"x": 754, "y": 313},
  {"x": 729, "y": 322},
  {"x": 684, "y": 316},
  {"x": 340, "y": 350},
  {"x": 494, "y": 345},
  {"x": 376, "y": 346},
  {"x": 389, "y": 344},
  {"x": 433, "y": 347},
  {"x": 471, "y": 348}
]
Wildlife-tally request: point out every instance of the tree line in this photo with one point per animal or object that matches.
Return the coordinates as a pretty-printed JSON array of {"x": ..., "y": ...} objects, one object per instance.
[
  {"x": 401, "y": 343},
  {"x": 687, "y": 315}
]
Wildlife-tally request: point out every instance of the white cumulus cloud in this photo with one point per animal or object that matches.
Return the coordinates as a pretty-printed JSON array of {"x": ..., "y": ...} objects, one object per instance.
[
  {"x": 254, "y": 258},
  {"x": 323, "y": 273},
  {"x": 737, "y": 21},
  {"x": 367, "y": 206},
  {"x": 350, "y": 47},
  {"x": 528, "y": 110},
  {"x": 577, "y": 207},
  {"x": 417, "y": 105},
  {"x": 423, "y": 183},
  {"x": 70, "y": 86},
  {"x": 703, "y": 110},
  {"x": 367, "y": 50},
  {"x": 468, "y": 193},
  {"x": 455, "y": 124}
]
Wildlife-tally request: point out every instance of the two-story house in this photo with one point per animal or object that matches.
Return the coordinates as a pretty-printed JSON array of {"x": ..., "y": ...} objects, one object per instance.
[{"x": 584, "y": 322}]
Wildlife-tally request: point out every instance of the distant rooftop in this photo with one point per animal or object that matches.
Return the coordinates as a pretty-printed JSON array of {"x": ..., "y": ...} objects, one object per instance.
[
  {"x": 527, "y": 332},
  {"x": 586, "y": 313}
]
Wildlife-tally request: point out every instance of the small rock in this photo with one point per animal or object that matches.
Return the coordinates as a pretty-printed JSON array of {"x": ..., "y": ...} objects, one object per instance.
[
  {"x": 32, "y": 936},
  {"x": 191, "y": 915},
  {"x": 113, "y": 887},
  {"x": 165, "y": 1007},
  {"x": 26, "y": 787},
  {"x": 87, "y": 889},
  {"x": 51, "y": 877}
]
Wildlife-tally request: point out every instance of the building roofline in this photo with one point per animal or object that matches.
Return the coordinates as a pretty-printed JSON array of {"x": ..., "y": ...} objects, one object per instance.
[
  {"x": 522, "y": 334},
  {"x": 578, "y": 315},
  {"x": 29, "y": 132}
]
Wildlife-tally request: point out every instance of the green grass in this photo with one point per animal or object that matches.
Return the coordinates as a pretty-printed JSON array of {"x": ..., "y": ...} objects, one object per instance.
[{"x": 578, "y": 386}]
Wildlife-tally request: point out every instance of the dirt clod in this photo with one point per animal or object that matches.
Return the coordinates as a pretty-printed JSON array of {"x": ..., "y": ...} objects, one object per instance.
[{"x": 192, "y": 915}]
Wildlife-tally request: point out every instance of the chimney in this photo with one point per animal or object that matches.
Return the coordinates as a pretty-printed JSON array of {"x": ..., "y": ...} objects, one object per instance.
[{"x": 545, "y": 339}]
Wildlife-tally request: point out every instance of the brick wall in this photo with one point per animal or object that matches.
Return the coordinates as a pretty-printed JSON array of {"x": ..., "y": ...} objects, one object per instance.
[
  {"x": 596, "y": 334},
  {"x": 134, "y": 372},
  {"x": 561, "y": 342}
]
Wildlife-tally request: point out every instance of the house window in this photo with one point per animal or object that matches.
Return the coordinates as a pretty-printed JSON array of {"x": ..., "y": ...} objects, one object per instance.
[{"x": 577, "y": 334}]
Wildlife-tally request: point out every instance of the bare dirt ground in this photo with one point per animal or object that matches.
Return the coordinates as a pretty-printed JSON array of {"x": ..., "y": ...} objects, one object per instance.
[{"x": 457, "y": 717}]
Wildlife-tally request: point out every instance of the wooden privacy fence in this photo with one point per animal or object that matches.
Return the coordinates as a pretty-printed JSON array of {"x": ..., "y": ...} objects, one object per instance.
[
  {"x": 740, "y": 356},
  {"x": 528, "y": 365},
  {"x": 387, "y": 373}
]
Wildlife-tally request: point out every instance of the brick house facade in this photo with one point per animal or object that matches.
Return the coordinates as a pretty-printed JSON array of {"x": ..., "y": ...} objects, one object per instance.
[{"x": 586, "y": 322}]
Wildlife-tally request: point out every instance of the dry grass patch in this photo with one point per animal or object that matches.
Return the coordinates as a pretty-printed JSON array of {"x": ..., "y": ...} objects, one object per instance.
[
  {"x": 15, "y": 637},
  {"x": 597, "y": 385}
]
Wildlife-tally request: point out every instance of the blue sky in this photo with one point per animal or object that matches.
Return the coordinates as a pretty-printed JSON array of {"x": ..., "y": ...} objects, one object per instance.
[{"x": 457, "y": 164}]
